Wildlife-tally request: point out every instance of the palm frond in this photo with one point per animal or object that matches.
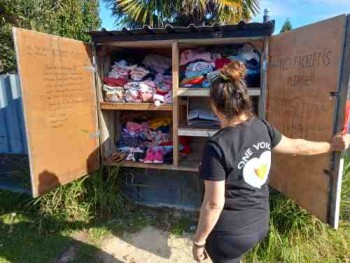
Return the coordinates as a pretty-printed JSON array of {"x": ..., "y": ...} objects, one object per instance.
[{"x": 159, "y": 12}]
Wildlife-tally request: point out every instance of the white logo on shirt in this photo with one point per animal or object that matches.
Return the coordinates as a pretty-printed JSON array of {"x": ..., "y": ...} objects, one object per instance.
[{"x": 256, "y": 170}]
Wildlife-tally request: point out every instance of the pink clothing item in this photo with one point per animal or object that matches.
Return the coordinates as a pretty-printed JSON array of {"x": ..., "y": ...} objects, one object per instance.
[
  {"x": 158, "y": 156},
  {"x": 149, "y": 156},
  {"x": 121, "y": 69},
  {"x": 191, "y": 55},
  {"x": 146, "y": 96},
  {"x": 132, "y": 85},
  {"x": 132, "y": 95},
  {"x": 148, "y": 83},
  {"x": 133, "y": 126},
  {"x": 119, "y": 73},
  {"x": 138, "y": 73},
  {"x": 147, "y": 90}
]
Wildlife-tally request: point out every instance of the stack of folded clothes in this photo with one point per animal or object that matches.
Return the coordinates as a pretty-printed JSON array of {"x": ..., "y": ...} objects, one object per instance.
[
  {"x": 149, "y": 82},
  {"x": 199, "y": 66},
  {"x": 148, "y": 141}
]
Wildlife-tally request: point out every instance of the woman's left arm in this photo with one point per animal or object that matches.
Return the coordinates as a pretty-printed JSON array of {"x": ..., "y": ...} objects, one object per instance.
[
  {"x": 303, "y": 147},
  {"x": 213, "y": 203}
]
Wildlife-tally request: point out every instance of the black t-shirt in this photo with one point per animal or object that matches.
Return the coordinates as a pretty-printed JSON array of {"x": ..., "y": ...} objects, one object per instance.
[{"x": 241, "y": 156}]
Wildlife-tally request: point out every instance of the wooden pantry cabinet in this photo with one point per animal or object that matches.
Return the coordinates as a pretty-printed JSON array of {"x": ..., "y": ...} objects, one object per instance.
[{"x": 303, "y": 92}]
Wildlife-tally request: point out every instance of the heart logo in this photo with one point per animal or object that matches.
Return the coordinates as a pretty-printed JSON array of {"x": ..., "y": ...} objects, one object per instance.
[
  {"x": 256, "y": 170},
  {"x": 261, "y": 171}
]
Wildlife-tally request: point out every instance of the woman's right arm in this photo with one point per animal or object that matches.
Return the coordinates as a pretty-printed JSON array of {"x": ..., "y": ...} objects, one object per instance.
[{"x": 303, "y": 147}]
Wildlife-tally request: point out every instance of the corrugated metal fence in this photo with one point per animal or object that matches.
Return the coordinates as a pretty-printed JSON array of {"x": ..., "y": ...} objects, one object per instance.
[{"x": 12, "y": 129}]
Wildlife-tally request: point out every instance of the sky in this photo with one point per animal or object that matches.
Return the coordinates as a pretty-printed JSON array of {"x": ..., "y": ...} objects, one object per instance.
[{"x": 299, "y": 12}]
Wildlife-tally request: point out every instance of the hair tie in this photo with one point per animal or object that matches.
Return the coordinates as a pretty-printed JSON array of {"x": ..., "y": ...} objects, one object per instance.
[{"x": 224, "y": 77}]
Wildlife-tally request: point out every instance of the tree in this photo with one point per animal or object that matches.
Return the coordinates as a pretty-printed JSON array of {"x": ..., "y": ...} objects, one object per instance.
[
  {"x": 68, "y": 18},
  {"x": 157, "y": 13},
  {"x": 287, "y": 26}
]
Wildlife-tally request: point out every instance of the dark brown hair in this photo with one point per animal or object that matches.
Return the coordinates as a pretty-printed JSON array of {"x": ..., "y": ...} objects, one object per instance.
[{"x": 229, "y": 92}]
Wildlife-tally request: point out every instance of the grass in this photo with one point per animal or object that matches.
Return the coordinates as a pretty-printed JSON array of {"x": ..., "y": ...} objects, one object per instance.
[
  {"x": 40, "y": 230},
  {"x": 296, "y": 236}
]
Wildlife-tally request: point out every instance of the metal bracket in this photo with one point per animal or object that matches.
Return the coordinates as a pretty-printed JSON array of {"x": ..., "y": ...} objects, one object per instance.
[
  {"x": 90, "y": 68},
  {"x": 334, "y": 93},
  {"x": 94, "y": 135}
]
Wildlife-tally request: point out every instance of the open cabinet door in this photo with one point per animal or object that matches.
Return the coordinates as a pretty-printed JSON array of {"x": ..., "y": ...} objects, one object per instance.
[
  {"x": 59, "y": 100},
  {"x": 307, "y": 82}
]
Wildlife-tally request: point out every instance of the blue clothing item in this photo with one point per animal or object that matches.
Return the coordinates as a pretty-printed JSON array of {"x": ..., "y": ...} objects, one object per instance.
[
  {"x": 252, "y": 78},
  {"x": 252, "y": 64},
  {"x": 164, "y": 129},
  {"x": 206, "y": 84},
  {"x": 192, "y": 74},
  {"x": 168, "y": 148},
  {"x": 129, "y": 141}
]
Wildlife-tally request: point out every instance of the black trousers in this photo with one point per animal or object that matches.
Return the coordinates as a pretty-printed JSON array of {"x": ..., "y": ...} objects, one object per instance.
[{"x": 228, "y": 247}]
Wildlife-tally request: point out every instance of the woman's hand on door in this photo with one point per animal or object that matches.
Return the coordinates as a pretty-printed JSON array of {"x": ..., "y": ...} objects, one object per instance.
[{"x": 340, "y": 142}]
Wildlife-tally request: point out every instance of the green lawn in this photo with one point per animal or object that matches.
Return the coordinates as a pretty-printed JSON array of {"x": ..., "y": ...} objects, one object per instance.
[{"x": 41, "y": 231}]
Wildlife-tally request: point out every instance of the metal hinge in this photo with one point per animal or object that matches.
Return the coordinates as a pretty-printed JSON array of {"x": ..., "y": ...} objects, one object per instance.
[
  {"x": 94, "y": 135},
  {"x": 334, "y": 93},
  {"x": 91, "y": 68}
]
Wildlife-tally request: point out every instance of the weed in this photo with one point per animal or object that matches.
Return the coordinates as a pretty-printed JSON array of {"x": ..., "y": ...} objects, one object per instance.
[
  {"x": 183, "y": 225},
  {"x": 91, "y": 197},
  {"x": 104, "y": 192}
]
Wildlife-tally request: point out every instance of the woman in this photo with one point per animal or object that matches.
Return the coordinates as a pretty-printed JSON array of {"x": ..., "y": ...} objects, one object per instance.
[{"x": 235, "y": 168}]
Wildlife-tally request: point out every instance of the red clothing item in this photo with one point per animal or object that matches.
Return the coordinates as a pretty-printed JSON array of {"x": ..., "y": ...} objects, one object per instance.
[
  {"x": 185, "y": 144},
  {"x": 193, "y": 81},
  {"x": 115, "y": 82},
  {"x": 347, "y": 118},
  {"x": 221, "y": 62}
]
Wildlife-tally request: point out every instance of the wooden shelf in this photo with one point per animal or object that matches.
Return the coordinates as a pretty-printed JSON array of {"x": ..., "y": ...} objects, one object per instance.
[
  {"x": 190, "y": 162},
  {"x": 151, "y": 166},
  {"x": 135, "y": 106},
  {"x": 204, "y": 92},
  {"x": 196, "y": 132}
]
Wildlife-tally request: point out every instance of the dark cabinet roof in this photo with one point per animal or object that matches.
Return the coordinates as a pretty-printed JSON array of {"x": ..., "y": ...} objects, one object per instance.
[{"x": 191, "y": 32}]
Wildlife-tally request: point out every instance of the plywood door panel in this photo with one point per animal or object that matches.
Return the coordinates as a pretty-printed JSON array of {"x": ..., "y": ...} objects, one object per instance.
[
  {"x": 59, "y": 98},
  {"x": 303, "y": 74}
]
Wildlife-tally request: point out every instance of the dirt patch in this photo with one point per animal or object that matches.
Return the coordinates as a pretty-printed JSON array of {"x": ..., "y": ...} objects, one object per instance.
[
  {"x": 82, "y": 236},
  {"x": 150, "y": 245}
]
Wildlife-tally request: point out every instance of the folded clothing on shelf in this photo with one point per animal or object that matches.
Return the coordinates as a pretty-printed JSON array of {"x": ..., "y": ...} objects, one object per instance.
[
  {"x": 146, "y": 141},
  {"x": 192, "y": 55},
  {"x": 200, "y": 66},
  {"x": 128, "y": 82},
  {"x": 113, "y": 94},
  {"x": 157, "y": 62},
  {"x": 201, "y": 117}
]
